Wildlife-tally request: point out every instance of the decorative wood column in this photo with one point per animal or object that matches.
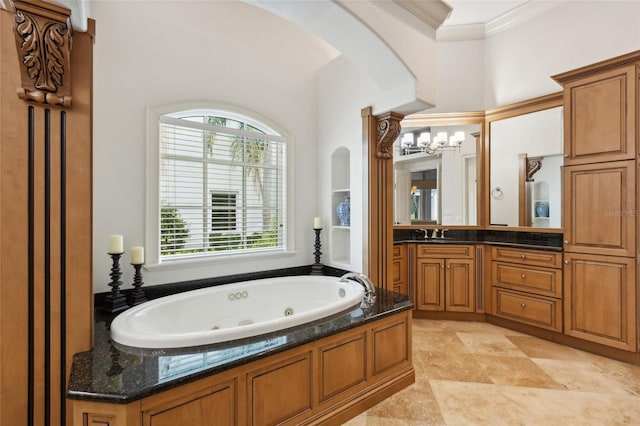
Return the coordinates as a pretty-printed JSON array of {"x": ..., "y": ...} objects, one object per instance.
[
  {"x": 379, "y": 133},
  {"x": 45, "y": 209}
]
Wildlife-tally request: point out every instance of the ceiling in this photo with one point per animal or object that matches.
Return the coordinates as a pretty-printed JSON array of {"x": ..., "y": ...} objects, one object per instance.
[{"x": 478, "y": 19}]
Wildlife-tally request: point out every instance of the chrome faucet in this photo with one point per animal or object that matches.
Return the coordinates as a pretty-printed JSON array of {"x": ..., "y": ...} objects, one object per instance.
[{"x": 369, "y": 288}]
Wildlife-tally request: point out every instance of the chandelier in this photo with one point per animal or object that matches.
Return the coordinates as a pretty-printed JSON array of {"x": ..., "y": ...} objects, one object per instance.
[{"x": 423, "y": 144}]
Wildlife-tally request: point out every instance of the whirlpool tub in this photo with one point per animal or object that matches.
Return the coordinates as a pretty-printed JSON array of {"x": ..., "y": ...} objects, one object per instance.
[{"x": 234, "y": 311}]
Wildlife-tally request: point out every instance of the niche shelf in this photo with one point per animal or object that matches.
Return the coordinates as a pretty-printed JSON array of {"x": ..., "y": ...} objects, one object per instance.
[
  {"x": 340, "y": 237},
  {"x": 540, "y": 205}
]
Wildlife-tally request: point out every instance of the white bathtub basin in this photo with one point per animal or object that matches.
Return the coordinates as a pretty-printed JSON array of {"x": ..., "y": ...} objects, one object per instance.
[{"x": 233, "y": 311}]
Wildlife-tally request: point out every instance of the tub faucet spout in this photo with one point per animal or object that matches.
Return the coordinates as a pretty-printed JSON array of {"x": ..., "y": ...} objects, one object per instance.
[{"x": 369, "y": 289}]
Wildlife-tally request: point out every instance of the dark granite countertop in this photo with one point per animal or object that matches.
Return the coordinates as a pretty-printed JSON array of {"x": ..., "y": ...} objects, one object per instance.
[
  {"x": 113, "y": 374},
  {"x": 520, "y": 239}
]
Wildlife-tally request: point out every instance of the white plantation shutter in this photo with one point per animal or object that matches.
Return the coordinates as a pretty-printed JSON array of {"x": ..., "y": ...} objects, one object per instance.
[{"x": 222, "y": 187}]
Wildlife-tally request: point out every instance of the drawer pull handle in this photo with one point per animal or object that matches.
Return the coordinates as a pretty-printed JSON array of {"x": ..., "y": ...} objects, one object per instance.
[
  {"x": 522, "y": 276},
  {"x": 522, "y": 305}
]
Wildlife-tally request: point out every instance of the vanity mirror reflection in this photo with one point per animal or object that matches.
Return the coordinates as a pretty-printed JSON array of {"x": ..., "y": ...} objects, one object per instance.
[
  {"x": 526, "y": 157},
  {"x": 437, "y": 168}
]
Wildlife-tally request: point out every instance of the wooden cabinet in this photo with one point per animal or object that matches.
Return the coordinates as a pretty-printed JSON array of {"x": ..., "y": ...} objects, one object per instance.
[
  {"x": 400, "y": 270},
  {"x": 600, "y": 299},
  {"x": 527, "y": 286},
  {"x": 600, "y": 116},
  {"x": 600, "y": 211},
  {"x": 445, "y": 278}
]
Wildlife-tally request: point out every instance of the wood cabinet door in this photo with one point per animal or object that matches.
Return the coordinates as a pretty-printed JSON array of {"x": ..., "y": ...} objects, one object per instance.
[
  {"x": 600, "y": 117},
  {"x": 399, "y": 269},
  {"x": 460, "y": 285},
  {"x": 430, "y": 282},
  {"x": 599, "y": 208},
  {"x": 600, "y": 299}
]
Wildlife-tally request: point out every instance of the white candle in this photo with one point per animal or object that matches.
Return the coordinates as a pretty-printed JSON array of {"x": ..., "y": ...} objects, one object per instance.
[
  {"x": 116, "y": 244},
  {"x": 317, "y": 222},
  {"x": 137, "y": 255}
]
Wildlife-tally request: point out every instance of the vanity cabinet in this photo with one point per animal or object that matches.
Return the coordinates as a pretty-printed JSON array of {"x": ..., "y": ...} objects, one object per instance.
[
  {"x": 445, "y": 277},
  {"x": 400, "y": 269},
  {"x": 600, "y": 299},
  {"x": 527, "y": 286}
]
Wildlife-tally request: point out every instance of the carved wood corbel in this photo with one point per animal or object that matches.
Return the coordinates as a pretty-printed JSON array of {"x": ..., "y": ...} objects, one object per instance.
[
  {"x": 43, "y": 40},
  {"x": 388, "y": 130},
  {"x": 533, "y": 165}
]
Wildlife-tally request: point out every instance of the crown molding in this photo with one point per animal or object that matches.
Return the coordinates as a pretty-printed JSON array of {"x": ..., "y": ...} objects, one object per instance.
[
  {"x": 432, "y": 13},
  {"x": 501, "y": 23}
]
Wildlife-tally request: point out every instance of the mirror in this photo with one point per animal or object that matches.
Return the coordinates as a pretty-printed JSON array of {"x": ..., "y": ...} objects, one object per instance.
[
  {"x": 526, "y": 157},
  {"x": 436, "y": 169}
]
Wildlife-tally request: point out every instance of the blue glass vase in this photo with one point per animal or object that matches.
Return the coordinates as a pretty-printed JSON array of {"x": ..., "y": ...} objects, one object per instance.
[{"x": 343, "y": 210}]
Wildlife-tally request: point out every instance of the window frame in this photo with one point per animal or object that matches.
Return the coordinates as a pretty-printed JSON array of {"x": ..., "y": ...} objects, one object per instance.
[{"x": 152, "y": 198}]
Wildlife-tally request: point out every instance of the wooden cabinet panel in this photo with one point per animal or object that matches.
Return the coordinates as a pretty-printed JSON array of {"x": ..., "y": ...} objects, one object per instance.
[
  {"x": 539, "y": 311},
  {"x": 207, "y": 406},
  {"x": 600, "y": 117},
  {"x": 460, "y": 285},
  {"x": 280, "y": 392},
  {"x": 399, "y": 269},
  {"x": 391, "y": 346},
  {"x": 342, "y": 366},
  {"x": 543, "y": 281},
  {"x": 430, "y": 277},
  {"x": 600, "y": 209},
  {"x": 527, "y": 257},
  {"x": 600, "y": 299},
  {"x": 445, "y": 251}
]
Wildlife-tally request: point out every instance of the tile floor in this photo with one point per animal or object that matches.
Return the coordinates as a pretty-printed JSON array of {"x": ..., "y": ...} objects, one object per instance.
[{"x": 470, "y": 373}]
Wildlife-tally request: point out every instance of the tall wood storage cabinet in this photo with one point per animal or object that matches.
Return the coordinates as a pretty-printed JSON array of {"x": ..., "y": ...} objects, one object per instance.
[
  {"x": 600, "y": 208},
  {"x": 45, "y": 209}
]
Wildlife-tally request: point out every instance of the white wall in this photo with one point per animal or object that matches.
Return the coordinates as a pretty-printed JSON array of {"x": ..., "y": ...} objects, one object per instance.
[
  {"x": 342, "y": 93},
  {"x": 154, "y": 53},
  {"x": 520, "y": 61}
]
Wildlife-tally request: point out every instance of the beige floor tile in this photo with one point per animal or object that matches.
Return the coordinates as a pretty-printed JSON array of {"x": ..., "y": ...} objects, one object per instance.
[
  {"x": 415, "y": 403},
  {"x": 542, "y": 407},
  {"x": 580, "y": 376},
  {"x": 540, "y": 348},
  {"x": 489, "y": 344},
  {"x": 473, "y": 404},
  {"x": 516, "y": 371},
  {"x": 452, "y": 366},
  {"x": 441, "y": 341},
  {"x": 482, "y": 374}
]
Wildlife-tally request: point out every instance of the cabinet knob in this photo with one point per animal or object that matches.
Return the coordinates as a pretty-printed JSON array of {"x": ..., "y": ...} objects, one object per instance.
[
  {"x": 448, "y": 266},
  {"x": 523, "y": 305},
  {"x": 566, "y": 241},
  {"x": 522, "y": 256},
  {"x": 522, "y": 276},
  {"x": 566, "y": 156},
  {"x": 566, "y": 261}
]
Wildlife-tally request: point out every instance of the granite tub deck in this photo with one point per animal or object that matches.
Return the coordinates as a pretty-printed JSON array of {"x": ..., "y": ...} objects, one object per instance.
[{"x": 118, "y": 375}]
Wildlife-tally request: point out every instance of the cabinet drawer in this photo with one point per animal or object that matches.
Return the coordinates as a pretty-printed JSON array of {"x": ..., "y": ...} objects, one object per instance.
[
  {"x": 397, "y": 251},
  {"x": 459, "y": 251},
  {"x": 527, "y": 257},
  {"x": 539, "y": 311},
  {"x": 543, "y": 281}
]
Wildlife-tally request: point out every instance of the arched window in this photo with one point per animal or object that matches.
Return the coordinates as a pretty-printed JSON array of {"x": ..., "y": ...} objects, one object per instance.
[{"x": 222, "y": 185}]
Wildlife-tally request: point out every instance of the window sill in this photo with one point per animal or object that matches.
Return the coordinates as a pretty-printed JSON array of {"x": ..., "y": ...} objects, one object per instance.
[{"x": 213, "y": 260}]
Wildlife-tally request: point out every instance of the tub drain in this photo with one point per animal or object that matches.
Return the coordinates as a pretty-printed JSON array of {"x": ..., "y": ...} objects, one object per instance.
[{"x": 288, "y": 312}]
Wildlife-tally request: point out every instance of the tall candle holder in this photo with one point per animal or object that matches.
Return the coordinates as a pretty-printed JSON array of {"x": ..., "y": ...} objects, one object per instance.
[
  {"x": 317, "y": 267},
  {"x": 136, "y": 296},
  {"x": 115, "y": 301}
]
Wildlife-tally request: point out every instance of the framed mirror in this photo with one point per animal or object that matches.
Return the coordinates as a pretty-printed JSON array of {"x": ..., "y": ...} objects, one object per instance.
[
  {"x": 525, "y": 163},
  {"x": 437, "y": 169}
]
